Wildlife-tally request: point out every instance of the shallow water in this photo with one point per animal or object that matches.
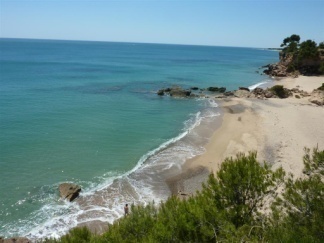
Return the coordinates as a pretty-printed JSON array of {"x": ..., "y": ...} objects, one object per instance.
[{"x": 86, "y": 112}]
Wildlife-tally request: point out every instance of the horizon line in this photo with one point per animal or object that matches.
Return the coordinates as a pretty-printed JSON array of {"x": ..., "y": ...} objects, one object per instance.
[{"x": 134, "y": 42}]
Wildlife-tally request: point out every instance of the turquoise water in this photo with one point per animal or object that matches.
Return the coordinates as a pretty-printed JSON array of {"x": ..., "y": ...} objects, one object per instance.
[{"x": 87, "y": 112}]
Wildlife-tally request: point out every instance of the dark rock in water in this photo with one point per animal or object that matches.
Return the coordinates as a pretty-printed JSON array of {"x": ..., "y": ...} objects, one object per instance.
[
  {"x": 213, "y": 89},
  {"x": 217, "y": 89},
  {"x": 69, "y": 191},
  {"x": 160, "y": 92},
  {"x": 194, "y": 88},
  {"x": 15, "y": 240},
  {"x": 244, "y": 88},
  {"x": 167, "y": 90},
  {"x": 178, "y": 92}
]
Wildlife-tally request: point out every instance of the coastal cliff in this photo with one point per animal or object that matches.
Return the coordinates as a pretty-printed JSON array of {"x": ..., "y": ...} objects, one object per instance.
[{"x": 306, "y": 58}]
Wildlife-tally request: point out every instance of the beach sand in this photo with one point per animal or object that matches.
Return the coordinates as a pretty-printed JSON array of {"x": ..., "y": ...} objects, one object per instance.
[{"x": 278, "y": 129}]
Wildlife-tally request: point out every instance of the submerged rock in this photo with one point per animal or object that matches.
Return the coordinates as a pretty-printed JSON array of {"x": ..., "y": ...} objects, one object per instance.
[
  {"x": 69, "y": 191},
  {"x": 160, "y": 92}
]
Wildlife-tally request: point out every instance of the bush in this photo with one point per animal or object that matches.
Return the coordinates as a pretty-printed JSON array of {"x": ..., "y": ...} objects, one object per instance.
[
  {"x": 279, "y": 91},
  {"x": 321, "y": 68},
  {"x": 228, "y": 209}
]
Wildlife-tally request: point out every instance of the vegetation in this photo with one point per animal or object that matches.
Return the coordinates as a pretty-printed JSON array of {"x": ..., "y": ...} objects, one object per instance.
[
  {"x": 322, "y": 87},
  {"x": 230, "y": 208},
  {"x": 279, "y": 91},
  {"x": 290, "y": 44},
  {"x": 304, "y": 56}
]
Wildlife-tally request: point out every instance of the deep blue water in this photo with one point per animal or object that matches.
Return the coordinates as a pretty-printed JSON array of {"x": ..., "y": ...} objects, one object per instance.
[{"x": 87, "y": 112}]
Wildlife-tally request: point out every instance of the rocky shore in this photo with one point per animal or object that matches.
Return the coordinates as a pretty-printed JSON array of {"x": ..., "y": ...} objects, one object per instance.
[
  {"x": 316, "y": 96},
  {"x": 259, "y": 119}
]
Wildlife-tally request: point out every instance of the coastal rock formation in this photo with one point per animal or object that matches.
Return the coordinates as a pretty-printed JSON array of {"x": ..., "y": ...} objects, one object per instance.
[
  {"x": 175, "y": 91},
  {"x": 242, "y": 94},
  {"x": 276, "y": 70},
  {"x": 69, "y": 191},
  {"x": 217, "y": 89},
  {"x": 179, "y": 92},
  {"x": 294, "y": 63},
  {"x": 317, "y": 97},
  {"x": 15, "y": 240}
]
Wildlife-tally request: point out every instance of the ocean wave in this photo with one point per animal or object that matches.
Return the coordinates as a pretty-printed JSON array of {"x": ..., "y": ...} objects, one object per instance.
[{"x": 144, "y": 183}]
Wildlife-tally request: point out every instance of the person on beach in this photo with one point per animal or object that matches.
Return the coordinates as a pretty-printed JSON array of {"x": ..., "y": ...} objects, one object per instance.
[{"x": 126, "y": 209}]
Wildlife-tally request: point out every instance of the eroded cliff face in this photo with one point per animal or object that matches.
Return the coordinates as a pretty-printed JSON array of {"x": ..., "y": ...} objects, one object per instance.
[{"x": 290, "y": 65}]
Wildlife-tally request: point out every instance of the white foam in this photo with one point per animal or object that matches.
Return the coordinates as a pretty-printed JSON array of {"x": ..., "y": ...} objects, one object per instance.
[
  {"x": 252, "y": 87},
  {"x": 56, "y": 218}
]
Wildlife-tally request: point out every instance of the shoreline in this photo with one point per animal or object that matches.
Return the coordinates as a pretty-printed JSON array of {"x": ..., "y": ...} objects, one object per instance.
[{"x": 278, "y": 129}]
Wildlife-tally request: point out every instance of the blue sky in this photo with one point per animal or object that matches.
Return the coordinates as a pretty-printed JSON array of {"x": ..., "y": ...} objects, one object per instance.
[{"x": 259, "y": 23}]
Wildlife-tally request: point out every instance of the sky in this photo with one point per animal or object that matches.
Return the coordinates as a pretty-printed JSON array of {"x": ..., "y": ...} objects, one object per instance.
[{"x": 243, "y": 23}]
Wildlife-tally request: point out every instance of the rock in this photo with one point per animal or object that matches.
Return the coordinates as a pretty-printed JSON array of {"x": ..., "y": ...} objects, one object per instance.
[
  {"x": 317, "y": 97},
  {"x": 69, "y": 191},
  {"x": 242, "y": 94},
  {"x": 15, "y": 240},
  {"x": 194, "y": 88},
  {"x": 229, "y": 93},
  {"x": 160, "y": 92},
  {"x": 178, "y": 92},
  {"x": 217, "y": 89},
  {"x": 222, "y": 89},
  {"x": 244, "y": 88},
  {"x": 268, "y": 94}
]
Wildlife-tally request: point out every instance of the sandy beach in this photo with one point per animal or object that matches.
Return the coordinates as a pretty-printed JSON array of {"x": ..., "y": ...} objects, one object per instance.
[{"x": 278, "y": 129}]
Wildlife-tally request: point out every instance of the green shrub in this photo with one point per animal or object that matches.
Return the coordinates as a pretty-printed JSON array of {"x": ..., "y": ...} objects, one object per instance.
[
  {"x": 322, "y": 87},
  {"x": 228, "y": 209},
  {"x": 291, "y": 67},
  {"x": 279, "y": 91},
  {"x": 321, "y": 68}
]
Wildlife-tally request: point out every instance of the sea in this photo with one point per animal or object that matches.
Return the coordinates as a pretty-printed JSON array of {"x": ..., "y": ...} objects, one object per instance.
[{"x": 87, "y": 112}]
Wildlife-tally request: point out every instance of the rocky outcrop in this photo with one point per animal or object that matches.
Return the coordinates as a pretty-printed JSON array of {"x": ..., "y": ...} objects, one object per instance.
[
  {"x": 175, "y": 91},
  {"x": 179, "y": 92},
  {"x": 276, "y": 70},
  {"x": 217, "y": 89},
  {"x": 69, "y": 191},
  {"x": 242, "y": 94},
  {"x": 290, "y": 65},
  {"x": 317, "y": 97}
]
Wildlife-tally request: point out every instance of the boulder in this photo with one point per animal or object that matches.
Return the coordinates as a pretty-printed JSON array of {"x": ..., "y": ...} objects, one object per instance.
[
  {"x": 229, "y": 93},
  {"x": 160, "y": 92},
  {"x": 194, "y": 88},
  {"x": 317, "y": 97},
  {"x": 242, "y": 94},
  {"x": 268, "y": 94},
  {"x": 217, "y": 89},
  {"x": 69, "y": 191},
  {"x": 178, "y": 92},
  {"x": 244, "y": 88}
]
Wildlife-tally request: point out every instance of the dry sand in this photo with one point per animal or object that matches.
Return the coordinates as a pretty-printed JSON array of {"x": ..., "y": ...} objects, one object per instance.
[{"x": 278, "y": 129}]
